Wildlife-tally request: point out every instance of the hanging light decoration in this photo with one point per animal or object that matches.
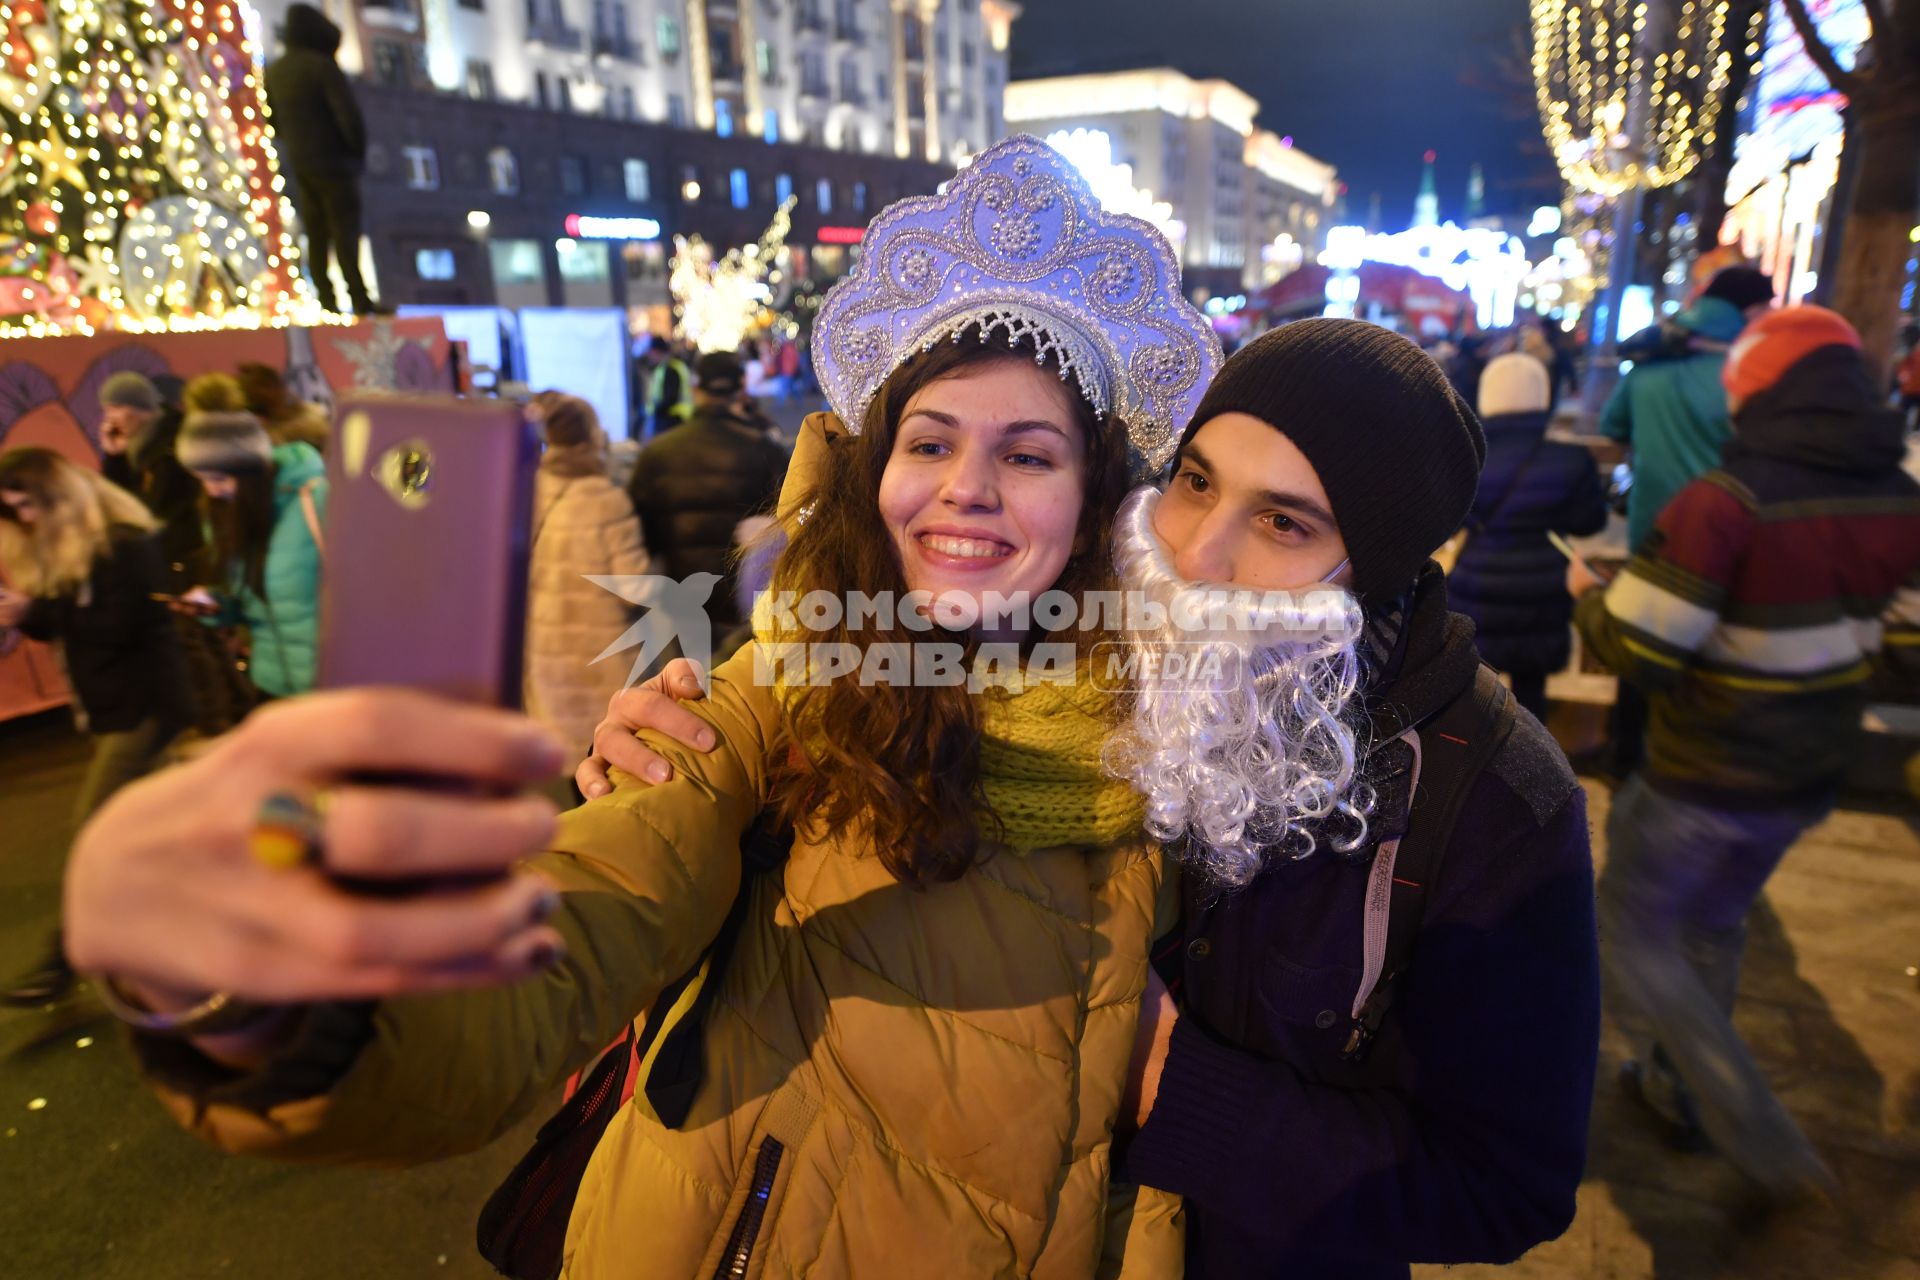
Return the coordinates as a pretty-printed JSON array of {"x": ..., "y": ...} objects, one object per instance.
[
  {"x": 721, "y": 300},
  {"x": 1625, "y": 107}
]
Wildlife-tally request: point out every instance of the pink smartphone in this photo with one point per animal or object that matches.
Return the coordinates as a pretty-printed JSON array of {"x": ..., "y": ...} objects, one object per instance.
[{"x": 428, "y": 515}]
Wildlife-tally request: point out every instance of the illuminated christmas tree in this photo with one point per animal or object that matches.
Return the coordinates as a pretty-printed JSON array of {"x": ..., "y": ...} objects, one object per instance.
[
  {"x": 137, "y": 180},
  {"x": 720, "y": 300}
]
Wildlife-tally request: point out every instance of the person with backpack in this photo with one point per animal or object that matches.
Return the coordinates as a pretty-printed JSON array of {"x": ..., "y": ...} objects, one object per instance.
[
  {"x": 1509, "y": 579},
  {"x": 1753, "y": 618},
  {"x": 86, "y": 572},
  {"x": 916, "y": 1053},
  {"x": 1379, "y": 1027},
  {"x": 265, "y": 507}
]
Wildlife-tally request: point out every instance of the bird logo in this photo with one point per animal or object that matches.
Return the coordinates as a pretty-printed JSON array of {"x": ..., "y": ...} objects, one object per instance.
[{"x": 674, "y": 613}]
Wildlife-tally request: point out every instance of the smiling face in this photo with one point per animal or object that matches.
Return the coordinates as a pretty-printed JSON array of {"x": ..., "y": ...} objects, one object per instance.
[
  {"x": 986, "y": 481},
  {"x": 1246, "y": 507}
]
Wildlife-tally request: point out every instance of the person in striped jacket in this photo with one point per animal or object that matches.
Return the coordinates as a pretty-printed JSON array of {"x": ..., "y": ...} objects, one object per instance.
[{"x": 1775, "y": 589}]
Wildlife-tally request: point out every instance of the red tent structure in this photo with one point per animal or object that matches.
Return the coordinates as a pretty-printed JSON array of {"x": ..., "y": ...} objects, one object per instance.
[{"x": 1425, "y": 305}]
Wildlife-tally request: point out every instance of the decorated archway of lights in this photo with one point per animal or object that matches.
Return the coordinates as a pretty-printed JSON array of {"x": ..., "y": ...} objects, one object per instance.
[
  {"x": 1631, "y": 91},
  {"x": 138, "y": 187}
]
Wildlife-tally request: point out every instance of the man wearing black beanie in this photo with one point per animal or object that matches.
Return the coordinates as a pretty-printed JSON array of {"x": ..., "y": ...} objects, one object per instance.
[
  {"x": 1314, "y": 1127},
  {"x": 1375, "y": 1040}
]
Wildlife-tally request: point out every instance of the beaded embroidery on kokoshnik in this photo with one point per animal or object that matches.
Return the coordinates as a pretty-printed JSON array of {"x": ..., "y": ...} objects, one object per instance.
[{"x": 1018, "y": 245}]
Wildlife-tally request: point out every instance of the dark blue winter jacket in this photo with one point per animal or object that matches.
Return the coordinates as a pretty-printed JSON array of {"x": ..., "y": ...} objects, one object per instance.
[{"x": 1509, "y": 579}]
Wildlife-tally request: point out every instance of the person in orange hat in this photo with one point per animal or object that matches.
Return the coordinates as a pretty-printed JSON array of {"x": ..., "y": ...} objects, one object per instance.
[{"x": 1752, "y": 618}]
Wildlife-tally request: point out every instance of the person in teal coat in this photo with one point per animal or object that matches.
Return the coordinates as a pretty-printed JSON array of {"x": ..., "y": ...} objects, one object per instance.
[
  {"x": 265, "y": 506},
  {"x": 1671, "y": 410}
]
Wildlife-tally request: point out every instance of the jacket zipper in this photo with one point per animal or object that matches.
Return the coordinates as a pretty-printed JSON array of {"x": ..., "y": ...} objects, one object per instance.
[{"x": 746, "y": 1228}]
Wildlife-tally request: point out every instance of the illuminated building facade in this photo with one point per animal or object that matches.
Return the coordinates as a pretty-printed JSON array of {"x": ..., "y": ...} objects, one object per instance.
[
  {"x": 702, "y": 116},
  {"x": 1253, "y": 206}
]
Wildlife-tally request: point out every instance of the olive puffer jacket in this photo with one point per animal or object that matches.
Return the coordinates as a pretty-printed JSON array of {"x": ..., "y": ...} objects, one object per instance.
[{"x": 899, "y": 1081}]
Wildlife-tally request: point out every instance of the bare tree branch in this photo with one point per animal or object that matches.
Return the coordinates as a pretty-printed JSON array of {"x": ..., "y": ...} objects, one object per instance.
[{"x": 1845, "y": 81}]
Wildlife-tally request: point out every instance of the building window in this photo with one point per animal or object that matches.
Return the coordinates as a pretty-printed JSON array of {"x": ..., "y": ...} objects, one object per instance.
[
  {"x": 503, "y": 172},
  {"x": 740, "y": 188},
  {"x": 573, "y": 175},
  {"x": 783, "y": 188},
  {"x": 540, "y": 93},
  {"x": 519, "y": 273},
  {"x": 639, "y": 181},
  {"x": 669, "y": 39},
  {"x": 859, "y": 197},
  {"x": 940, "y": 45},
  {"x": 478, "y": 6},
  {"x": 881, "y": 92},
  {"x": 390, "y": 63},
  {"x": 676, "y": 111},
  {"x": 628, "y": 110},
  {"x": 423, "y": 168},
  {"x": 770, "y": 125},
  {"x": 763, "y": 56},
  {"x": 433, "y": 264},
  {"x": 586, "y": 272},
  {"x": 966, "y": 53},
  {"x": 823, "y": 195},
  {"x": 563, "y": 92},
  {"x": 723, "y": 117},
  {"x": 479, "y": 80}
]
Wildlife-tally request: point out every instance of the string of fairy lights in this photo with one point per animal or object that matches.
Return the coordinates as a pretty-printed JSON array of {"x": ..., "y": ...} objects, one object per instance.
[
  {"x": 138, "y": 189},
  {"x": 720, "y": 300},
  {"x": 1622, "y": 110}
]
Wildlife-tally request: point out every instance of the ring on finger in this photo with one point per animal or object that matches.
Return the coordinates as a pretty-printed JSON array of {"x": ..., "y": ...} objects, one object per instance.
[{"x": 286, "y": 829}]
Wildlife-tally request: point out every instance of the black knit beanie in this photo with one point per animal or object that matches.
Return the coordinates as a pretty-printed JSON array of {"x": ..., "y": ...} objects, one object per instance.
[{"x": 1396, "y": 448}]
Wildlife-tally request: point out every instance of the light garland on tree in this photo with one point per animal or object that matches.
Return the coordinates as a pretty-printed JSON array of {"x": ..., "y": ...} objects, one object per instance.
[
  {"x": 720, "y": 300},
  {"x": 138, "y": 188},
  {"x": 1614, "y": 119}
]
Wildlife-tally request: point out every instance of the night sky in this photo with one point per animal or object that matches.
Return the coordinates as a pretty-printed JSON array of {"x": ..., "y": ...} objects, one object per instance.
[{"x": 1367, "y": 85}]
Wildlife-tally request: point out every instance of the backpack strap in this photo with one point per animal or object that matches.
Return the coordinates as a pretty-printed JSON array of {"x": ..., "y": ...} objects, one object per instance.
[
  {"x": 1449, "y": 752},
  {"x": 671, "y": 1050},
  {"x": 311, "y": 512}
]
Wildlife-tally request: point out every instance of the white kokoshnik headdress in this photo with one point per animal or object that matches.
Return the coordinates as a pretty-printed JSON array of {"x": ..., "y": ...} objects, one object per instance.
[{"x": 1017, "y": 243}]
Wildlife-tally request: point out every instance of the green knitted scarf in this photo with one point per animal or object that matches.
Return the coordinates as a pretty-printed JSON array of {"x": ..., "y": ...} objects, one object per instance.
[{"x": 1040, "y": 766}]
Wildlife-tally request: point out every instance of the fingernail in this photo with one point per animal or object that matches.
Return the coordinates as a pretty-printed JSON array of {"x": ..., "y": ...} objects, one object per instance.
[
  {"x": 704, "y": 739},
  {"x": 597, "y": 789},
  {"x": 544, "y": 906},
  {"x": 658, "y": 773}
]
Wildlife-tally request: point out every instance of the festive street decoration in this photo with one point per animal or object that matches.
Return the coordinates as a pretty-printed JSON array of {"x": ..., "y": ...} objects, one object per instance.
[
  {"x": 720, "y": 301},
  {"x": 1627, "y": 104},
  {"x": 138, "y": 187}
]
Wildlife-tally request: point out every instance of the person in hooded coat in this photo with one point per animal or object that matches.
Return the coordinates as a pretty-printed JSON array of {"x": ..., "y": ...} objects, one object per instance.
[
  {"x": 582, "y": 525},
  {"x": 323, "y": 140},
  {"x": 1753, "y": 619},
  {"x": 1509, "y": 578}
]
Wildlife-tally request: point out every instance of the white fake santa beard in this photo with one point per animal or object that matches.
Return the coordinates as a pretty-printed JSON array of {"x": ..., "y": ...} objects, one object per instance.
[{"x": 1242, "y": 750}]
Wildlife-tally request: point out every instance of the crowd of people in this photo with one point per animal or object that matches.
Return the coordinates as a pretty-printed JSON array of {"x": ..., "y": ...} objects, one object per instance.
[{"x": 1289, "y": 963}]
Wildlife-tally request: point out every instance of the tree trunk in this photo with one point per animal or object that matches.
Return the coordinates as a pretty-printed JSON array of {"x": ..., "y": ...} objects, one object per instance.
[{"x": 1875, "y": 239}]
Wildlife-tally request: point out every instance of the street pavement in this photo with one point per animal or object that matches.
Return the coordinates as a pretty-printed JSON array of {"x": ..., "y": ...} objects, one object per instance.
[{"x": 96, "y": 1181}]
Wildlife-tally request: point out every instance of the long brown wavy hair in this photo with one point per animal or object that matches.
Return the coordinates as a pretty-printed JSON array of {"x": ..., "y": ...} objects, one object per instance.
[
  {"x": 899, "y": 763},
  {"x": 78, "y": 510}
]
